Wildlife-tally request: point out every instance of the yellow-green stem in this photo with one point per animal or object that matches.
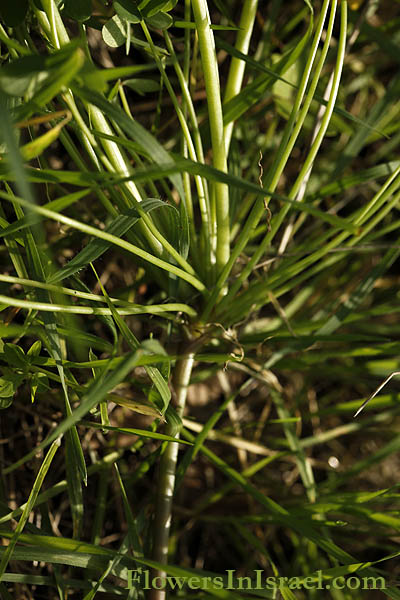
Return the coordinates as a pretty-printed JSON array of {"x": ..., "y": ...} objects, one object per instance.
[
  {"x": 236, "y": 70},
  {"x": 220, "y": 196}
]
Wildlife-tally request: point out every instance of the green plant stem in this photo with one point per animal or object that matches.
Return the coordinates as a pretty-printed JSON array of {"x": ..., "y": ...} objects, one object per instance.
[
  {"x": 201, "y": 183},
  {"x": 185, "y": 176},
  {"x": 14, "y": 46},
  {"x": 259, "y": 206},
  {"x": 282, "y": 158},
  {"x": 52, "y": 23},
  {"x": 236, "y": 71},
  {"x": 166, "y": 484},
  {"x": 186, "y": 97},
  {"x": 220, "y": 192},
  {"x": 193, "y": 152},
  {"x": 308, "y": 163},
  {"x": 288, "y": 144},
  {"x": 117, "y": 162},
  {"x": 117, "y": 159}
]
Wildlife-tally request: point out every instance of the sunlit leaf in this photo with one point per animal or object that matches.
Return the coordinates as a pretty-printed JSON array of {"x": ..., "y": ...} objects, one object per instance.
[{"x": 115, "y": 32}]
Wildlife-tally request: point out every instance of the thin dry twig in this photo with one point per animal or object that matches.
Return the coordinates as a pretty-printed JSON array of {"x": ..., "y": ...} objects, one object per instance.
[{"x": 376, "y": 392}]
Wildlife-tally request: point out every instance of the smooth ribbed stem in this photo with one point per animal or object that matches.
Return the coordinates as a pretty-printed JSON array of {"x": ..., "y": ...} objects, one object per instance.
[
  {"x": 220, "y": 194},
  {"x": 236, "y": 70},
  {"x": 167, "y": 474}
]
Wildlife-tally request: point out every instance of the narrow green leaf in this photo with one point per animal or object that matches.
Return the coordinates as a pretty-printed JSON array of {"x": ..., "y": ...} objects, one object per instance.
[
  {"x": 96, "y": 247},
  {"x": 15, "y": 356},
  {"x": 32, "y": 219},
  {"x": 74, "y": 479},
  {"x": 360, "y": 293},
  {"x": 142, "y": 86},
  {"x": 139, "y": 406},
  {"x": 135, "y": 131},
  {"x": 253, "y": 92},
  {"x": 37, "y": 146},
  {"x": 111, "y": 567},
  {"x": 61, "y": 75},
  {"x": 44, "y": 467},
  {"x": 97, "y": 391},
  {"x": 134, "y": 343},
  {"x": 149, "y": 8},
  {"x": 277, "y": 77},
  {"x": 113, "y": 239}
]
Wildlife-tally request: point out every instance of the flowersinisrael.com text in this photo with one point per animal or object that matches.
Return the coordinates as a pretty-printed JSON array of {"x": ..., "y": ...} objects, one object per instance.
[{"x": 143, "y": 579}]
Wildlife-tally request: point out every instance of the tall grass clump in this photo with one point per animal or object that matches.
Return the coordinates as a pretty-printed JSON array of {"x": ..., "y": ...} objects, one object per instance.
[{"x": 199, "y": 228}]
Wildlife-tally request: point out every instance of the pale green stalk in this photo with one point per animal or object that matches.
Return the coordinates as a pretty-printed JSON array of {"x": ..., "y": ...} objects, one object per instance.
[
  {"x": 390, "y": 193},
  {"x": 171, "y": 91},
  {"x": 307, "y": 165},
  {"x": 186, "y": 73},
  {"x": 57, "y": 32},
  {"x": 50, "y": 10},
  {"x": 151, "y": 309},
  {"x": 309, "y": 161},
  {"x": 117, "y": 162},
  {"x": 52, "y": 23},
  {"x": 385, "y": 199},
  {"x": 167, "y": 476},
  {"x": 315, "y": 146},
  {"x": 220, "y": 192},
  {"x": 186, "y": 98},
  {"x": 237, "y": 67},
  {"x": 124, "y": 304},
  {"x": 275, "y": 173},
  {"x": 387, "y": 189},
  {"x": 201, "y": 183},
  {"x": 192, "y": 150},
  {"x": 187, "y": 186},
  {"x": 114, "y": 153}
]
